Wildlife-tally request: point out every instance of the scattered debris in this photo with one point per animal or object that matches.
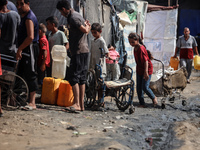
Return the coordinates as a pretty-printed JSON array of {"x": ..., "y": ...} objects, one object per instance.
[
  {"x": 149, "y": 140},
  {"x": 43, "y": 123},
  {"x": 71, "y": 128}
]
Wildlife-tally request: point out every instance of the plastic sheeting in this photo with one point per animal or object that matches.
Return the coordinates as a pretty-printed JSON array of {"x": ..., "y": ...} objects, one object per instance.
[
  {"x": 129, "y": 49},
  {"x": 141, "y": 8},
  {"x": 160, "y": 34}
]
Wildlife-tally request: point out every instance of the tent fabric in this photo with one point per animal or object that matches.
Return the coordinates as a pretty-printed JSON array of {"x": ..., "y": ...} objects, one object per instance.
[
  {"x": 191, "y": 19},
  {"x": 128, "y": 5},
  {"x": 129, "y": 49},
  {"x": 160, "y": 34},
  {"x": 183, "y": 4},
  {"x": 138, "y": 8}
]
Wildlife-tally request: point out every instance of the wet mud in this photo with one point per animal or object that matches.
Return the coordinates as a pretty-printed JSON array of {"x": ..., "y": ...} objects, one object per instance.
[{"x": 49, "y": 128}]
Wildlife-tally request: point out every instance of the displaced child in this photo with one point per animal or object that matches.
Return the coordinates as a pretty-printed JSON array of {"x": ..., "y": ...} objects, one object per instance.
[
  {"x": 97, "y": 44},
  {"x": 113, "y": 71},
  {"x": 144, "y": 69},
  {"x": 44, "y": 56},
  {"x": 56, "y": 37}
]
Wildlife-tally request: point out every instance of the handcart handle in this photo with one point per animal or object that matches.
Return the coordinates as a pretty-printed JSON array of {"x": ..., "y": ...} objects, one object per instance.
[
  {"x": 163, "y": 71},
  {"x": 14, "y": 61},
  {"x": 8, "y": 58},
  {"x": 162, "y": 65}
]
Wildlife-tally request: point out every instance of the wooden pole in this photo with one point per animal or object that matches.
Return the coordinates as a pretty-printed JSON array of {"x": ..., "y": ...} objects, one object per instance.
[
  {"x": 176, "y": 2},
  {"x": 169, "y": 2}
]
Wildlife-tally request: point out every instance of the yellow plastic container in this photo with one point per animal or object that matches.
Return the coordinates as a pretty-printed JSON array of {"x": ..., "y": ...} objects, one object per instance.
[
  {"x": 174, "y": 62},
  {"x": 65, "y": 94},
  {"x": 197, "y": 62},
  {"x": 50, "y": 90}
]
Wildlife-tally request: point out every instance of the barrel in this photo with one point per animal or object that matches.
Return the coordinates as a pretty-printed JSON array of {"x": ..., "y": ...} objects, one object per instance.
[
  {"x": 174, "y": 62},
  {"x": 65, "y": 94}
]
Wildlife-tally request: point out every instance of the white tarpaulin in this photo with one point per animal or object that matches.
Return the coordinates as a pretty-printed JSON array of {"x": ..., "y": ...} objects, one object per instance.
[
  {"x": 160, "y": 34},
  {"x": 129, "y": 49}
]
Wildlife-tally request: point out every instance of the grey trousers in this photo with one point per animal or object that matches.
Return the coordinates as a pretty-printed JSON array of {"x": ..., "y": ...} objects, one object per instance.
[
  {"x": 187, "y": 63},
  {"x": 113, "y": 72}
]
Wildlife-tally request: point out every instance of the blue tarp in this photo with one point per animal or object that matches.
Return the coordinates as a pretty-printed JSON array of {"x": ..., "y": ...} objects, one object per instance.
[{"x": 189, "y": 18}]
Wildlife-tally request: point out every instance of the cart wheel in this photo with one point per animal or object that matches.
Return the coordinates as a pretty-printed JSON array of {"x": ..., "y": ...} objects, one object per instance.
[
  {"x": 90, "y": 90},
  {"x": 184, "y": 103},
  {"x": 124, "y": 97},
  {"x": 14, "y": 90},
  {"x": 131, "y": 110}
]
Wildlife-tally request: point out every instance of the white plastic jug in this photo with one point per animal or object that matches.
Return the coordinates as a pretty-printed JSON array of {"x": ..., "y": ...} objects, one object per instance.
[{"x": 59, "y": 55}]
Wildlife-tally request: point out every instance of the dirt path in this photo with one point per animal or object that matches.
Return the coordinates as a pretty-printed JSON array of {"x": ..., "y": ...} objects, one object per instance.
[{"x": 49, "y": 128}]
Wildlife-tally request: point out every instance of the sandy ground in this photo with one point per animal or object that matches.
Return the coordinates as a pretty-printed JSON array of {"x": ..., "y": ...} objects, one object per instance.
[{"x": 49, "y": 128}]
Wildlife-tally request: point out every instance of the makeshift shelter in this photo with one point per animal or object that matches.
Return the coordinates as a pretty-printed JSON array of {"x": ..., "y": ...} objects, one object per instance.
[
  {"x": 136, "y": 10},
  {"x": 188, "y": 15},
  {"x": 94, "y": 11},
  {"x": 160, "y": 32}
]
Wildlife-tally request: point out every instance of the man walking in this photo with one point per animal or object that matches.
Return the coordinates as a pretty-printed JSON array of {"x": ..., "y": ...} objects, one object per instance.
[
  {"x": 78, "y": 30},
  {"x": 187, "y": 44},
  {"x": 28, "y": 43}
]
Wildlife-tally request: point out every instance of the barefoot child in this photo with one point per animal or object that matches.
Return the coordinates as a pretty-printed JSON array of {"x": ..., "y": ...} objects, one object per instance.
[
  {"x": 97, "y": 43},
  {"x": 144, "y": 69},
  {"x": 44, "y": 56}
]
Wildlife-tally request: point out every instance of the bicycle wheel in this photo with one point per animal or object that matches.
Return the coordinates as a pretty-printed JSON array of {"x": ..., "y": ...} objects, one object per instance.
[
  {"x": 14, "y": 90},
  {"x": 90, "y": 90},
  {"x": 124, "y": 97}
]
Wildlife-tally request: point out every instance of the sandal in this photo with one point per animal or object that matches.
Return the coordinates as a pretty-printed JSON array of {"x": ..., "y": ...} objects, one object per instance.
[
  {"x": 28, "y": 108},
  {"x": 71, "y": 110}
]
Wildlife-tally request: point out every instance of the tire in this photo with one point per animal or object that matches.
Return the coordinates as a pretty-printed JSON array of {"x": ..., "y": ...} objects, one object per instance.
[
  {"x": 90, "y": 90},
  {"x": 124, "y": 97},
  {"x": 14, "y": 90}
]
